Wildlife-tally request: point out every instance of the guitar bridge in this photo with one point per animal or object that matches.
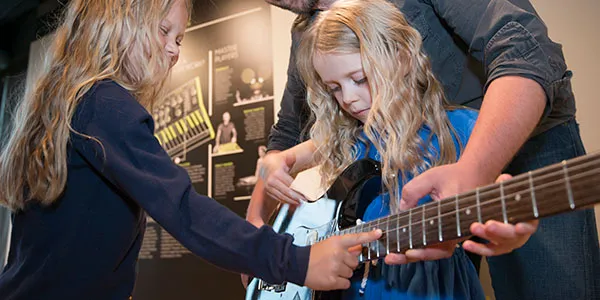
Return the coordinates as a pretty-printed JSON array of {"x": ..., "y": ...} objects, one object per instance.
[{"x": 276, "y": 288}]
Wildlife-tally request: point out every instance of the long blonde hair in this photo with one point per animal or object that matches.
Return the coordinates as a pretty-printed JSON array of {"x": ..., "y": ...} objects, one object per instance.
[
  {"x": 406, "y": 95},
  {"x": 108, "y": 39}
]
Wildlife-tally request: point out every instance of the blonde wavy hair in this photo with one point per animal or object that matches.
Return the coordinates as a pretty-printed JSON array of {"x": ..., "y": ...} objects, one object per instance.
[
  {"x": 405, "y": 93},
  {"x": 107, "y": 39}
]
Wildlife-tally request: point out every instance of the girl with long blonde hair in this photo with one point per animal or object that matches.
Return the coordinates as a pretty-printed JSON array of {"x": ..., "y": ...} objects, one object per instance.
[
  {"x": 372, "y": 94},
  {"x": 81, "y": 168}
]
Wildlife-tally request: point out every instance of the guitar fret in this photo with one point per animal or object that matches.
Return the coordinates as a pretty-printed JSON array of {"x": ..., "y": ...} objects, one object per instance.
[
  {"x": 568, "y": 185},
  {"x": 503, "y": 203},
  {"x": 478, "y": 205},
  {"x": 533, "y": 201},
  {"x": 359, "y": 227},
  {"x": 457, "y": 216},
  {"x": 398, "y": 234},
  {"x": 369, "y": 226},
  {"x": 423, "y": 225},
  {"x": 387, "y": 238},
  {"x": 439, "y": 207},
  {"x": 377, "y": 242},
  {"x": 410, "y": 241},
  {"x": 370, "y": 244}
]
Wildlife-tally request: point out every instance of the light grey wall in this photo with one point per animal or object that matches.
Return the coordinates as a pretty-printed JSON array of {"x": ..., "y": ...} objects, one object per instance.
[
  {"x": 11, "y": 92},
  {"x": 4, "y": 213}
]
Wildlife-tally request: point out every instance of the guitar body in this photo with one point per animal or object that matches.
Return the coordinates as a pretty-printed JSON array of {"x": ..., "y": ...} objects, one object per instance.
[{"x": 310, "y": 221}]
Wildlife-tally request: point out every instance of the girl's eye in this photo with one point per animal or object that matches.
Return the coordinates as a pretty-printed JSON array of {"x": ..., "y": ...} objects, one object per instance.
[
  {"x": 361, "y": 81},
  {"x": 163, "y": 30}
]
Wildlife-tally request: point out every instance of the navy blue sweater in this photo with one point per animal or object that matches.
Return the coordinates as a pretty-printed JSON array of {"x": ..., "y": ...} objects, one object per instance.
[{"x": 85, "y": 246}]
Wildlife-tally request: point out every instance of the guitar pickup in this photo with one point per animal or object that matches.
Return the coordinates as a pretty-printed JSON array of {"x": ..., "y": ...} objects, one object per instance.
[{"x": 276, "y": 288}]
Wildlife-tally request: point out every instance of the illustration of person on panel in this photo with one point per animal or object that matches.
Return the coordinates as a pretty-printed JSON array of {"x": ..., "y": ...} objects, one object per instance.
[
  {"x": 226, "y": 138},
  {"x": 251, "y": 180}
]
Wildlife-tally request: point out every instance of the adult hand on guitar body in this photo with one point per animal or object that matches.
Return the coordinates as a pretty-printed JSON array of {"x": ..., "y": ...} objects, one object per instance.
[
  {"x": 440, "y": 183},
  {"x": 276, "y": 168},
  {"x": 333, "y": 260}
]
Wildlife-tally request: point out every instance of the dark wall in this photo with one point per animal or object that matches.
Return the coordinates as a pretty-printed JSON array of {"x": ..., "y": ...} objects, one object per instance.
[{"x": 22, "y": 22}]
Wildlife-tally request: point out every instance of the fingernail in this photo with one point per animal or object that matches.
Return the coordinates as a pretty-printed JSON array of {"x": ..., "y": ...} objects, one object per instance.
[
  {"x": 477, "y": 229},
  {"x": 402, "y": 205}
]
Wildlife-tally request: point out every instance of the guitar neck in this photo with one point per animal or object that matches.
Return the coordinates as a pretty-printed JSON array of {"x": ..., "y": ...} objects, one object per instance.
[{"x": 566, "y": 186}]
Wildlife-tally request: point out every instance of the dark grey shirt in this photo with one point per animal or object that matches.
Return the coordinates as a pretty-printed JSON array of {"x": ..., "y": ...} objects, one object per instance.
[{"x": 470, "y": 43}]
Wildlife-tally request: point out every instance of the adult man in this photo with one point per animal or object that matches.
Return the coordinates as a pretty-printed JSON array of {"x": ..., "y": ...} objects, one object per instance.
[{"x": 496, "y": 56}]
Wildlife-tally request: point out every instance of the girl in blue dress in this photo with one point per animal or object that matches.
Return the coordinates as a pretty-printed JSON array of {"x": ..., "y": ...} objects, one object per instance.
[{"x": 371, "y": 87}]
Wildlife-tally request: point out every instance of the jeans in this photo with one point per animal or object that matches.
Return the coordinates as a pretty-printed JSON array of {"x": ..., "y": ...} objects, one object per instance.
[{"x": 562, "y": 259}]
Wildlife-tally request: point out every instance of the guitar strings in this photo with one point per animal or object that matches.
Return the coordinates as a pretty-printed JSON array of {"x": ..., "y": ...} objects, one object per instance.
[
  {"x": 403, "y": 240},
  {"x": 574, "y": 165},
  {"x": 544, "y": 189},
  {"x": 470, "y": 196},
  {"x": 491, "y": 189}
]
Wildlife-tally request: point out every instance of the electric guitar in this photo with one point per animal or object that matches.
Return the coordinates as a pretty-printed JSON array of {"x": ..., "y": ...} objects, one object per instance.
[{"x": 562, "y": 187}]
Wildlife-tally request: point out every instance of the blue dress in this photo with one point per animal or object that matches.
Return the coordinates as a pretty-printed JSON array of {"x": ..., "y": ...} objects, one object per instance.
[{"x": 452, "y": 278}]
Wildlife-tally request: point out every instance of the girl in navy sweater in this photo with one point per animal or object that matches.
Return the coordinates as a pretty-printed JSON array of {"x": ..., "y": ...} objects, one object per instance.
[{"x": 81, "y": 168}]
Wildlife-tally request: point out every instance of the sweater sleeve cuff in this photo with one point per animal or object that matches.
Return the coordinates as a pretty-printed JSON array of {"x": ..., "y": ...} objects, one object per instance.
[{"x": 298, "y": 265}]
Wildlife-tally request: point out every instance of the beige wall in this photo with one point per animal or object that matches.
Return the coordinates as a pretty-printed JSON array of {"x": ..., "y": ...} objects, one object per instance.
[
  {"x": 575, "y": 25},
  {"x": 282, "y": 41}
]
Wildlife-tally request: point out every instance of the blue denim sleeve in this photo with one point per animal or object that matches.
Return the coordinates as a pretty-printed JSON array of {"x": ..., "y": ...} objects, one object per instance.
[
  {"x": 509, "y": 38},
  {"x": 132, "y": 160},
  {"x": 290, "y": 128}
]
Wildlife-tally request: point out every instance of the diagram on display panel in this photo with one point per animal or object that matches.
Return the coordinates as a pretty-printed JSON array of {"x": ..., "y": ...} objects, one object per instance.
[{"x": 182, "y": 123}]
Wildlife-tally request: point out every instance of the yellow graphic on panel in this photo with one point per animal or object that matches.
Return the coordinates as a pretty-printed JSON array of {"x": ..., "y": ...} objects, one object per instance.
[{"x": 182, "y": 123}]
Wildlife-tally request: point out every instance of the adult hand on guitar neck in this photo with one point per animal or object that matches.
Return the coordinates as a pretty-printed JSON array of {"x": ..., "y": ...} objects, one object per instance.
[
  {"x": 503, "y": 238},
  {"x": 333, "y": 260}
]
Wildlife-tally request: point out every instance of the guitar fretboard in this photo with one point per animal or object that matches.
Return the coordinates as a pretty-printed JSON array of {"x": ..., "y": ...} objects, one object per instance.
[{"x": 562, "y": 187}]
